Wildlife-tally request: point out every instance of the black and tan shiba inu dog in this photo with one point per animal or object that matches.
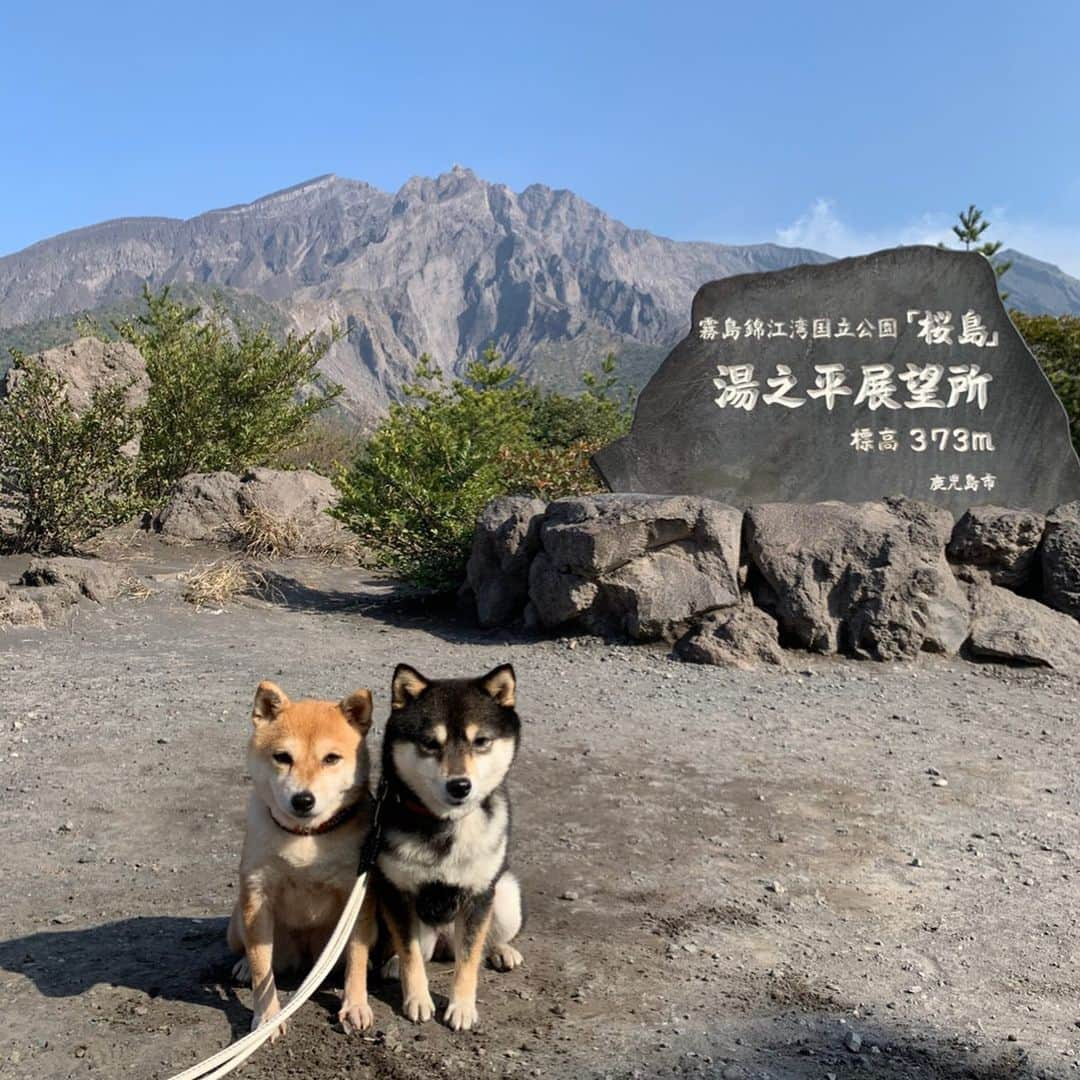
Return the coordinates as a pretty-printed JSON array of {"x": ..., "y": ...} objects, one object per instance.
[{"x": 446, "y": 829}]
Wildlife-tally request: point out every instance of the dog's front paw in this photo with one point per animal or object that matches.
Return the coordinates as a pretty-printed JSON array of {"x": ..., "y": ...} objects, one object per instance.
[
  {"x": 461, "y": 1015},
  {"x": 241, "y": 972},
  {"x": 505, "y": 958},
  {"x": 266, "y": 1016},
  {"x": 419, "y": 1008},
  {"x": 356, "y": 1017}
]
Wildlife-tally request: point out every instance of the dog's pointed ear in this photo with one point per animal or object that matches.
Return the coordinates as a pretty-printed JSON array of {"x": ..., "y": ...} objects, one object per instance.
[
  {"x": 408, "y": 684},
  {"x": 501, "y": 684},
  {"x": 270, "y": 699},
  {"x": 357, "y": 710}
]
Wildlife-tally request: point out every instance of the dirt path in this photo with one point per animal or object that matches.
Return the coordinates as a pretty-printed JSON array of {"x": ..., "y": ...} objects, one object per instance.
[{"x": 728, "y": 874}]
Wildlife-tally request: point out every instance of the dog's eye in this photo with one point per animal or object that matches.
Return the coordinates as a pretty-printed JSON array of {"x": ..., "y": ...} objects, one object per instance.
[
  {"x": 481, "y": 742},
  {"x": 283, "y": 758},
  {"x": 331, "y": 759},
  {"x": 430, "y": 746}
]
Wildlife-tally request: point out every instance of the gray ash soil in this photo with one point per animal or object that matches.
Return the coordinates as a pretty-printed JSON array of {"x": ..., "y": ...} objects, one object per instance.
[{"x": 728, "y": 874}]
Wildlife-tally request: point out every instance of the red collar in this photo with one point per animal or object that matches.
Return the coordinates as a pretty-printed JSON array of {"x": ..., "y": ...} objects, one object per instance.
[
  {"x": 414, "y": 806},
  {"x": 343, "y": 815}
]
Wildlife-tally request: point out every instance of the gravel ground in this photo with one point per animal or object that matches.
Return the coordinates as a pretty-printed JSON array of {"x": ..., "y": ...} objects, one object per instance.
[{"x": 841, "y": 869}]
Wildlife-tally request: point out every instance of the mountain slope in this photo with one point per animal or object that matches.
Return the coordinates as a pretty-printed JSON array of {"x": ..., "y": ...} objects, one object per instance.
[{"x": 445, "y": 266}]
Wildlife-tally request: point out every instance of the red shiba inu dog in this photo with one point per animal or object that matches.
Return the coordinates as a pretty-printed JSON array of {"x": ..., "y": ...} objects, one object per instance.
[{"x": 309, "y": 812}]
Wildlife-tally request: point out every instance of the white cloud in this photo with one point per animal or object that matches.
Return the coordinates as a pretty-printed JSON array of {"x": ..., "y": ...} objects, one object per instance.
[{"x": 822, "y": 229}]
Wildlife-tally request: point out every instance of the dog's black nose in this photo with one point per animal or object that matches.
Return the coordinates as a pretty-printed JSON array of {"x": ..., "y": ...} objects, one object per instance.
[
  {"x": 459, "y": 787},
  {"x": 303, "y": 801}
]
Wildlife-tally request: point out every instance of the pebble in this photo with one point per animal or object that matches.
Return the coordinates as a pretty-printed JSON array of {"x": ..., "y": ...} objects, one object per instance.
[
  {"x": 776, "y": 887},
  {"x": 570, "y": 894},
  {"x": 853, "y": 1041}
]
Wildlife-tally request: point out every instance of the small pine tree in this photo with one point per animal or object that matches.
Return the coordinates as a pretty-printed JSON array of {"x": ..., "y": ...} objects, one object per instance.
[{"x": 969, "y": 232}]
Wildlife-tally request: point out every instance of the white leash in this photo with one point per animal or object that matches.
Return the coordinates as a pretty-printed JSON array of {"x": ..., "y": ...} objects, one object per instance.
[
  {"x": 223, "y": 1062},
  {"x": 235, "y": 1054}
]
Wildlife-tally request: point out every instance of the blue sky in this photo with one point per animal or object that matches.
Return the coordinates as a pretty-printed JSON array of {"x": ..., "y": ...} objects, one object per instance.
[{"x": 843, "y": 126}]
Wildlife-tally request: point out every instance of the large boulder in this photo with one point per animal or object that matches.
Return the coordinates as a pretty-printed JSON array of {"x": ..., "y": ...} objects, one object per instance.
[
  {"x": 201, "y": 507},
  {"x": 557, "y": 597},
  {"x": 505, "y": 541},
  {"x": 1019, "y": 630},
  {"x": 1001, "y": 540},
  {"x": 1061, "y": 559},
  {"x": 89, "y": 364},
  {"x": 95, "y": 579},
  {"x": 641, "y": 566},
  {"x": 598, "y": 533},
  {"x": 868, "y": 578},
  {"x": 742, "y": 637},
  {"x": 213, "y": 507}
]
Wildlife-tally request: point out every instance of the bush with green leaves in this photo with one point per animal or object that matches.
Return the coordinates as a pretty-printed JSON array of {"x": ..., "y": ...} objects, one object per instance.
[
  {"x": 66, "y": 476},
  {"x": 223, "y": 394},
  {"x": 600, "y": 415},
  {"x": 414, "y": 492},
  {"x": 1055, "y": 341}
]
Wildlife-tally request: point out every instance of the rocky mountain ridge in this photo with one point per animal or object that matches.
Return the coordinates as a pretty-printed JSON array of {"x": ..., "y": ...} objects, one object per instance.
[{"x": 445, "y": 265}]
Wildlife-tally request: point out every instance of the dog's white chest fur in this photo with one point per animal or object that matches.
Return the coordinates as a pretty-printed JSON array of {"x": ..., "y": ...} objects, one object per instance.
[
  {"x": 472, "y": 858},
  {"x": 307, "y": 877}
]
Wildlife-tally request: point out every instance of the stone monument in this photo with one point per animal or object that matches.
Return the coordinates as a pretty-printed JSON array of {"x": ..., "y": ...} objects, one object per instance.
[{"x": 897, "y": 373}]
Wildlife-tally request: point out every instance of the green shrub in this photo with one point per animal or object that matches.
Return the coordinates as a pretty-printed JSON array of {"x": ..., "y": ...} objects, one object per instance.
[
  {"x": 549, "y": 472},
  {"x": 414, "y": 492},
  {"x": 65, "y": 475},
  {"x": 328, "y": 443},
  {"x": 599, "y": 416},
  {"x": 223, "y": 395},
  {"x": 1055, "y": 341}
]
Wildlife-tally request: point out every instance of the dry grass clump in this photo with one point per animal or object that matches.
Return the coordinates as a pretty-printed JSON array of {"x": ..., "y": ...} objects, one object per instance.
[
  {"x": 216, "y": 585},
  {"x": 135, "y": 588},
  {"x": 260, "y": 534},
  {"x": 263, "y": 535}
]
